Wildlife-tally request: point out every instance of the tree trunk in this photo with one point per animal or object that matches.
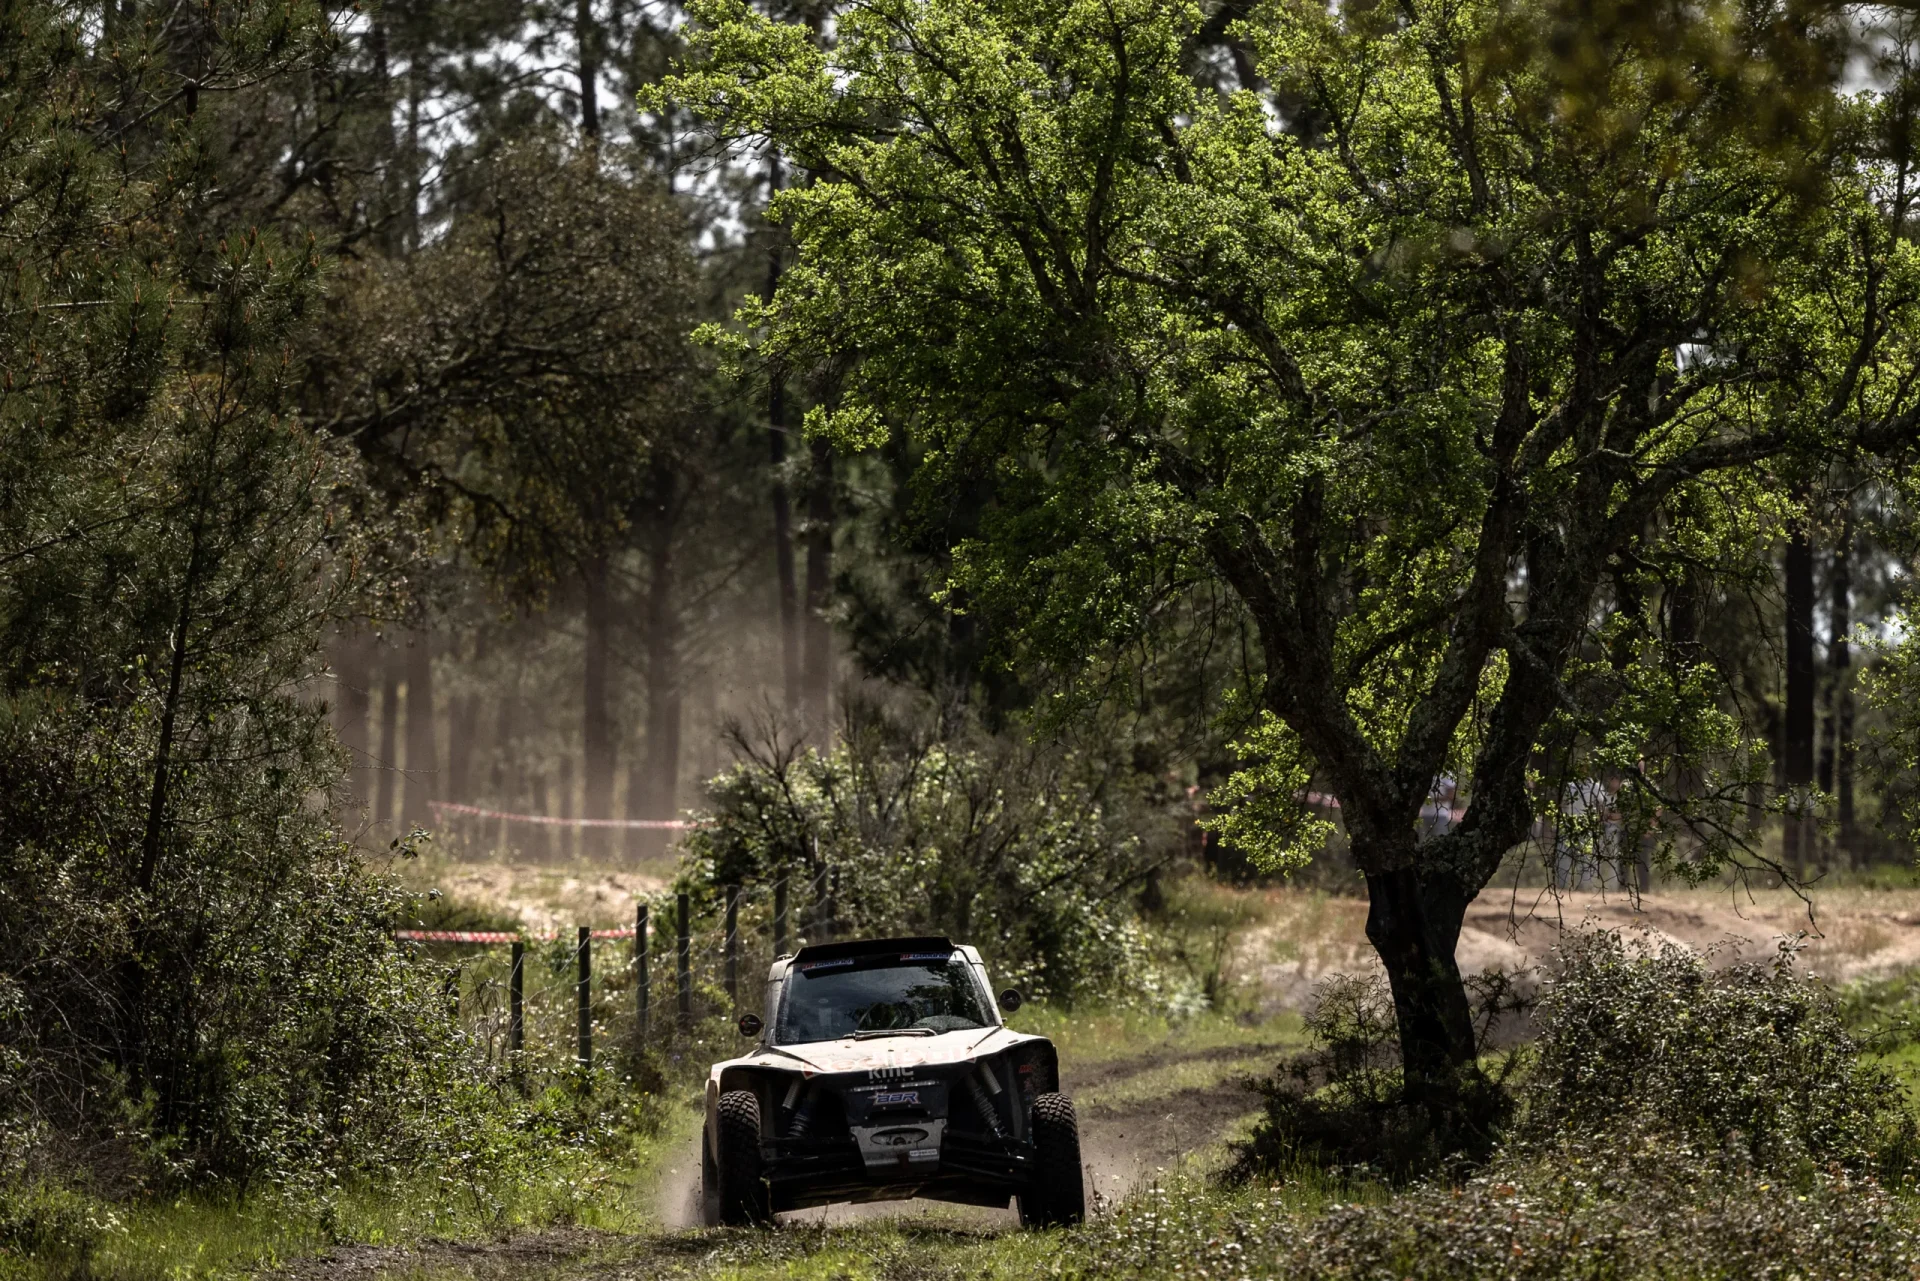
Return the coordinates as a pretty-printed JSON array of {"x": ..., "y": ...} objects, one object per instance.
[
  {"x": 463, "y": 730},
  {"x": 1840, "y": 659},
  {"x": 388, "y": 759},
  {"x": 596, "y": 742},
  {"x": 1796, "y": 754},
  {"x": 817, "y": 678},
  {"x": 353, "y": 704},
  {"x": 707, "y": 704},
  {"x": 463, "y": 724},
  {"x": 587, "y": 44},
  {"x": 502, "y": 787},
  {"x": 656, "y": 779},
  {"x": 423, "y": 752},
  {"x": 1415, "y": 928},
  {"x": 567, "y": 836},
  {"x": 539, "y": 836},
  {"x": 782, "y": 501}
]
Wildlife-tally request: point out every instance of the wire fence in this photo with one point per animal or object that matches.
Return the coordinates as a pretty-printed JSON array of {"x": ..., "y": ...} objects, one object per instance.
[
  {"x": 538, "y": 1005},
  {"x": 475, "y": 832}
]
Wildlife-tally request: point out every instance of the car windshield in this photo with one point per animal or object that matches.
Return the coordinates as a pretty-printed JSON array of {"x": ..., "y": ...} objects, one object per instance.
[{"x": 827, "y": 1000}]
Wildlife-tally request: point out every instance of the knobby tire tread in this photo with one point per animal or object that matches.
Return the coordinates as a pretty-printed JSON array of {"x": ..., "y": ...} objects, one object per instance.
[
  {"x": 1058, "y": 1198},
  {"x": 743, "y": 1193}
]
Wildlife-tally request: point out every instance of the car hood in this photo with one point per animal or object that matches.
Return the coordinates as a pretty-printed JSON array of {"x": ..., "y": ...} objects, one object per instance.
[{"x": 848, "y": 1055}]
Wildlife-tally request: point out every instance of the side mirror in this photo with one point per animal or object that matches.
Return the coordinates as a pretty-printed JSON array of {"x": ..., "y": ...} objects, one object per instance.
[
  {"x": 750, "y": 1025},
  {"x": 1011, "y": 1000}
]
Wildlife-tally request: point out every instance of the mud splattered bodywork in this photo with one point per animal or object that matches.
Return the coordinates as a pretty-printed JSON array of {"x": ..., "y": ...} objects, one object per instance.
[{"x": 886, "y": 1113}]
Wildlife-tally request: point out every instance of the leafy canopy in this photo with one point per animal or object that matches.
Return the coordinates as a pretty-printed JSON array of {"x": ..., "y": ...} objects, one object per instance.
[{"x": 1472, "y": 315}]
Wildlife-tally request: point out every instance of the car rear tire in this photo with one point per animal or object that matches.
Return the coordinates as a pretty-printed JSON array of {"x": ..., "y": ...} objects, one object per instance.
[
  {"x": 742, "y": 1184},
  {"x": 1056, "y": 1198}
]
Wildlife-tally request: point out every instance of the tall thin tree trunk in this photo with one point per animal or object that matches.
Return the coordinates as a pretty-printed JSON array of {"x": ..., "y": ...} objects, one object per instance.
[
  {"x": 1797, "y": 739},
  {"x": 782, "y": 501},
  {"x": 596, "y": 740},
  {"x": 568, "y": 836},
  {"x": 663, "y": 676},
  {"x": 587, "y": 42},
  {"x": 353, "y": 704},
  {"x": 133, "y": 967},
  {"x": 707, "y": 701},
  {"x": 538, "y": 838},
  {"x": 1840, "y": 659},
  {"x": 463, "y": 731},
  {"x": 656, "y": 778},
  {"x": 389, "y": 756},
  {"x": 502, "y": 787},
  {"x": 463, "y": 724},
  {"x": 817, "y": 678},
  {"x": 423, "y": 752}
]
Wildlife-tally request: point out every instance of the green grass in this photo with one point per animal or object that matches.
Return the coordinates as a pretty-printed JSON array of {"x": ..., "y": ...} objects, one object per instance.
[
  {"x": 1169, "y": 1080},
  {"x": 1095, "y": 1038},
  {"x": 213, "y": 1236}
]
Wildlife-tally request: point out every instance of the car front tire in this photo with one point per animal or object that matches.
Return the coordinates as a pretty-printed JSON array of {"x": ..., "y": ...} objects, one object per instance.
[
  {"x": 709, "y": 1182},
  {"x": 1056, "y": 1198},
  {"x": 742, "y": 1184}
]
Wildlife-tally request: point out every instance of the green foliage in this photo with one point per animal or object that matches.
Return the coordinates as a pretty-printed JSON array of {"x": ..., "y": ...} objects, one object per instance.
[
  {"x": 526, "y": 375},
  {"x": 1751, "y": 1060},
  {"x": 196, "y": 976},
  {"x": 1625, "y": 1211},
  {"x": 1892, "y": 687},
  {"x": 1258, "y": 810},
  {"x": 983, "y": 841}
]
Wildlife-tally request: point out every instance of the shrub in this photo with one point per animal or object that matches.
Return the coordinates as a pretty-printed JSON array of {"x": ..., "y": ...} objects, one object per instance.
[
  {"x": 962, "y": 835},
  {"x": 1632, "y": 1207},
  {"x": 1753, "y": 1060}
]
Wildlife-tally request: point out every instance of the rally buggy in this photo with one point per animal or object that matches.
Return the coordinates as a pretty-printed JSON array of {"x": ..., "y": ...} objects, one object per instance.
[{"x": 885, "y": 1070}]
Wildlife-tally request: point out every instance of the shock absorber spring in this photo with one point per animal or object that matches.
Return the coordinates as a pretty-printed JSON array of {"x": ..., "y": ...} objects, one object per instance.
[
  {"x": 802, "y": 1116},
  {"x": 980, "y": 1100}
]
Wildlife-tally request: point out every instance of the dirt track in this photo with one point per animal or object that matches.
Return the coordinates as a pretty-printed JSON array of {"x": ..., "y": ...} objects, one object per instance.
[{"x": 1848, "y": 934}]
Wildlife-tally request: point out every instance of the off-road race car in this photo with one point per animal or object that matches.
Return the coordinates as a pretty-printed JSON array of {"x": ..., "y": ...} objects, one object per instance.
[{"x": 885, "y": 1070}]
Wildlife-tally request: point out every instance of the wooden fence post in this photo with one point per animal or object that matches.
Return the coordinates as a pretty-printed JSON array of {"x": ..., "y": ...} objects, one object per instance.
[
  {"x": 516, "y": 1013},
  {"x": 641, "y": 983},
  {"x": 684, "y": 963},
  {"x": 584, "y": 1001},
  {"x": 733, "y": 945}
]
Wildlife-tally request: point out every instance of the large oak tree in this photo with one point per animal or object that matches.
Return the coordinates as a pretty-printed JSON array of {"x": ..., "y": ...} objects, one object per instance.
[{"x": 1457, "y": 350}]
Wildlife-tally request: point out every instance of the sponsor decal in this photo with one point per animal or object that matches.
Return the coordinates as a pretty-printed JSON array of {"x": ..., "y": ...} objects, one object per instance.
[
  {"x": 926, "y": 956},
  {"x": 898, "y": 1096},
  {"x": 889, "y": 1073},
  {"x": 811, "y": 966}
]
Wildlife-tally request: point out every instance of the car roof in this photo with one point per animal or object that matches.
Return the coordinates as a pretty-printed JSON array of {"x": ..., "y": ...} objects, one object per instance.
[{"x": 872, "y": 947}]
